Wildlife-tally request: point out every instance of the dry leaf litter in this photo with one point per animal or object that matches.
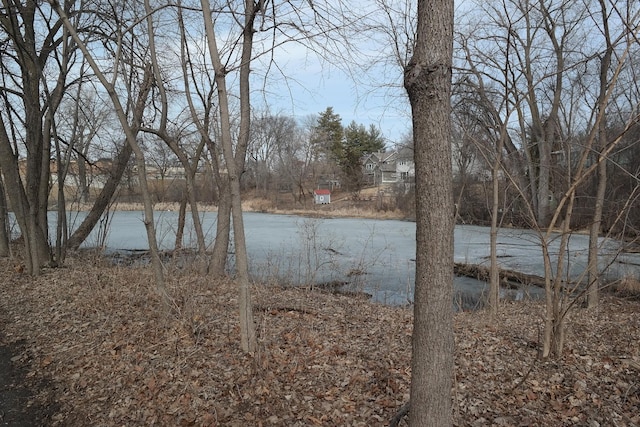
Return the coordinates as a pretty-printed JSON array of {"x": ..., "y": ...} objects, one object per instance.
[{"x": 111, "y": 354}]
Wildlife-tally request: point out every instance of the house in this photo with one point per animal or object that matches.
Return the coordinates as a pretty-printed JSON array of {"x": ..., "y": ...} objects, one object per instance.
[
  {"x": 322, "y": 197},
  {"x": 405, "y": 165},
  {"x": 380, "y": 168},
  {"x": 387, "y": 168}
]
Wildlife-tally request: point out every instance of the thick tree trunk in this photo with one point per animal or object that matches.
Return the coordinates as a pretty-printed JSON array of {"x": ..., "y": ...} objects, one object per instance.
[
  {"x": 20, "y": 206},
  {"x": 427, "y": 80}
]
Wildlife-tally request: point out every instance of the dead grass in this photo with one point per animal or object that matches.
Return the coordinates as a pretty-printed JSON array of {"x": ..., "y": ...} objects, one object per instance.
[
  {"x": 340, "y": 209},
  {"x": 114, "y": 355},
  {"x": 627, "y": 286}
]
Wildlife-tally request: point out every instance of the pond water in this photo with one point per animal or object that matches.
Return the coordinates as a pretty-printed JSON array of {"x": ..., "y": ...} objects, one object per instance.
[{"x": 365, "y": 255}]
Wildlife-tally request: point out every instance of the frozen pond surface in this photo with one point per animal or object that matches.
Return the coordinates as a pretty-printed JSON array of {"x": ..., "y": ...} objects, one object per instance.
[{"x": 374, "y": 256}]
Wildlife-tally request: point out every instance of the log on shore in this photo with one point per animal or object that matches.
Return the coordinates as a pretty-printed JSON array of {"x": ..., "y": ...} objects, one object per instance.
[{"x": 507, "y": 277}]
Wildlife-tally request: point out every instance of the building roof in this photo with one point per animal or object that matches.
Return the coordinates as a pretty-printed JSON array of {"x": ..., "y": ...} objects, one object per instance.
[{"x": 322, "y": 192}]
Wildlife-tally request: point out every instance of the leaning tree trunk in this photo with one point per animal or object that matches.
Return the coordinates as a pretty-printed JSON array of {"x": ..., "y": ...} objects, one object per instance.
[
  {"x": 427, "y": 80},
  {"x": 218, "y": 261},
  {"x": 102, "y": 200},
  {"x": 120, "y": 165}
]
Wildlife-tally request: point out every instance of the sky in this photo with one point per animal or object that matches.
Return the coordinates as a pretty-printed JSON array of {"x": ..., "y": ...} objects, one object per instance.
[
  {"x": 371, "y": 95},
  {"x": 367, "y": 88},
  {"x": 311, "y": 90}
]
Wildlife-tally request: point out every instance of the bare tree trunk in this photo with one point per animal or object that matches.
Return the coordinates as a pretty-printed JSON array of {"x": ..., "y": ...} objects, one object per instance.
[
  {"x": 594, "y": 231},
  {"x": 130, "y": 133},
  {"x": 16, "y": 194},
  {"x": 5, "y": 232},
  {"x": 189, "y": 170},
  {"x": 115, "y": 177},
  {"x": 427, "y": 80},
  {"x": 83, "y": 186},
  {"x": 156, "y": 263},
  {"x": 223, "y": 226},
  {"x": 235, "y": 162},
  {"x": 556, "y": 300},
  {"x": 494, "y": 272},
  {"x": 102, "y": 200},
  {"x": 61, "y": 224},
  {"x": 544, "y": 173},
  {"x": 219, "y": 256},
  {"x": 21, "y": 28},
  {"x": 494, "y": 282},
  {"x": 193, "y": 205},
  {"x": 190, "y": 198},
  {"x": 182, "y": 213}
]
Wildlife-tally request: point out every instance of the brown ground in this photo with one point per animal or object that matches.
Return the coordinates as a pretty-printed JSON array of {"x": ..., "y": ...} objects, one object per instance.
[{"x": 96, "y": 348}]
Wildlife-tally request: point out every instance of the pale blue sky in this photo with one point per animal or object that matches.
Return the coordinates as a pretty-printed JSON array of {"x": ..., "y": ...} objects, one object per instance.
[
  {"x": 311, "y": 88},
  {"x": 366, "y": 87}
]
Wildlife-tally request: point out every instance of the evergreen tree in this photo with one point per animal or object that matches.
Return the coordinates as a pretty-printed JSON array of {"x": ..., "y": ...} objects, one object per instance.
[
  {"x": 358, "y": 141},
  {"x": 345, "y": 147},
  {"x": 328, "y": 135},
  {"x": 362, "y": 141}
]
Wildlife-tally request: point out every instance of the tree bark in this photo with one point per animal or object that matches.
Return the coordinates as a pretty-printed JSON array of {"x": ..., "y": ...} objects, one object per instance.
[
  {"x": 130, "y": 134},
  {"x": 5, "y": 232},
  {"x": 102, "y": 200},
  {"x": 235, "y": 161},
  {"x": 594, "y": 231},
  {"x": 220, "y": 251},
  {"x": 16, "y": 193},
  {"x": 427, "y": 80},
  {"x": 218, "y": 261},
  {"x": 23, "y": 33},
  {"x": 494, "y": 271}
]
